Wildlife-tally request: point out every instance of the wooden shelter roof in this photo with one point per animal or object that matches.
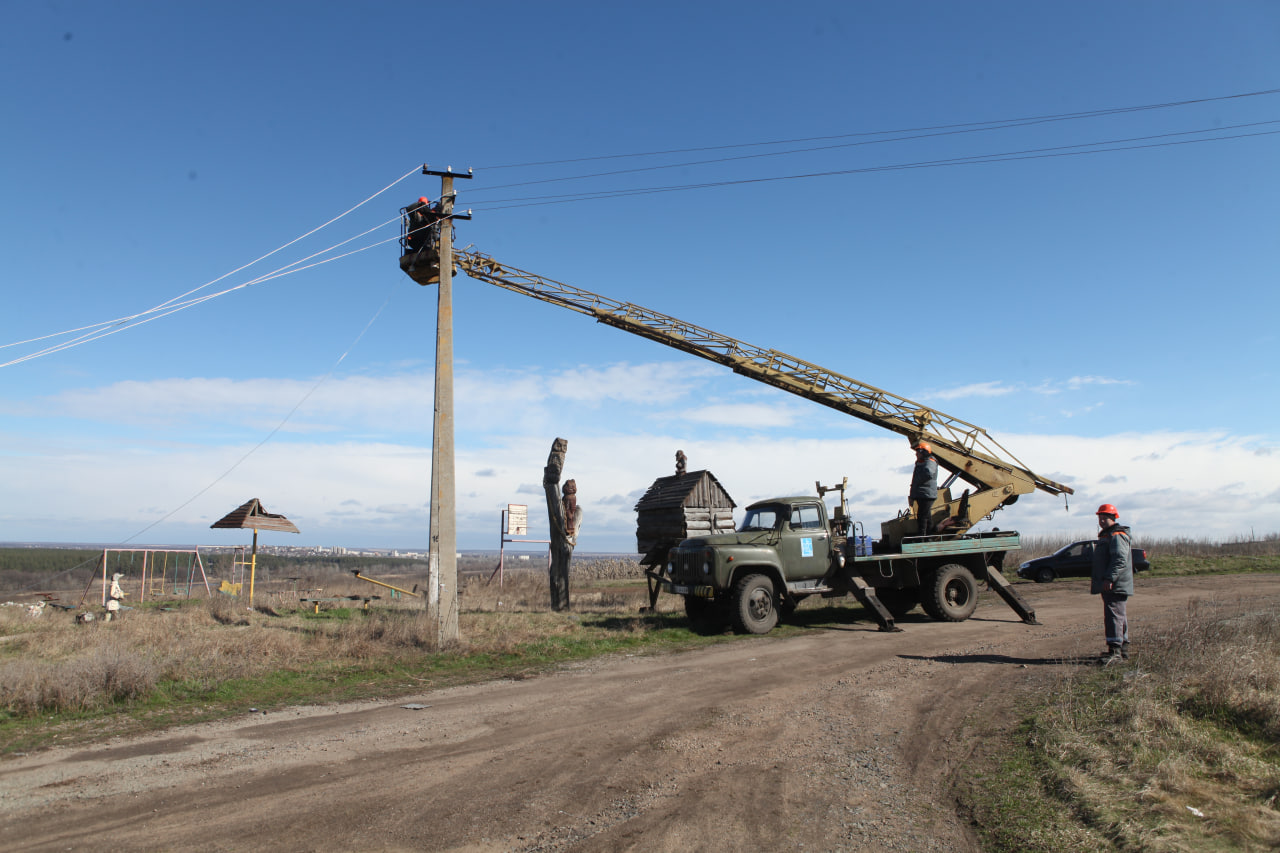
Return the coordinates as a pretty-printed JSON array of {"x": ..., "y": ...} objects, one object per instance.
[
  {"x": 693, "y": 488},
  {"x": 252, "y": 515}
]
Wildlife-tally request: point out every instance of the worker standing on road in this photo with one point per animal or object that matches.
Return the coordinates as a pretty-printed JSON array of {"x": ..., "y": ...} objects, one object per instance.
[
  {"x": 924, "y": 487},
  {"x": 1113, "y": 580}
]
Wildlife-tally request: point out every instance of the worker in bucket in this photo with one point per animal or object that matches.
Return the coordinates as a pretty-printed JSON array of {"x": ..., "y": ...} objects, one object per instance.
[
  {"x": 114, "y": 594},
  {"x": 924, "y": 486},
  {"x": 1113, "y": 580},
  {"x": 421, "y": 229}
]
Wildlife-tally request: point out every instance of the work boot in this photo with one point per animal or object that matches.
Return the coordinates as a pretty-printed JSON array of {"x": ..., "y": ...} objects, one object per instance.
[
  {"x": 1124, "y": 650},
  {"x": 1113, "y": 654}
]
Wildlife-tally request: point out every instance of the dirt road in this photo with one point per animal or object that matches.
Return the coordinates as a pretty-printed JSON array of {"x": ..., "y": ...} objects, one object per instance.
[{"x": 840, "y": 739}]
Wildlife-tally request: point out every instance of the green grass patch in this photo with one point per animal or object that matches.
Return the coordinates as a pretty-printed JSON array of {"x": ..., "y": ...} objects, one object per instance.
[
  {"x": 1011, "y": 801},
  {"x": 1177, "y": 566}
]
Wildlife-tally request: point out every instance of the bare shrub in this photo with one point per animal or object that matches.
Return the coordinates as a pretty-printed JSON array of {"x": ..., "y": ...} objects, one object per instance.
[
  {"x": 100, "y": 675},
  {"x": 228, "y": 610},
  {"x": 520, "y": 590},
  {"x": 372, "y": 633}
]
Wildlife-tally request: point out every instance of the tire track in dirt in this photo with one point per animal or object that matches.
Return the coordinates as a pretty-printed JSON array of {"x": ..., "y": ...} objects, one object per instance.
[{"x": 840, "y": 739}]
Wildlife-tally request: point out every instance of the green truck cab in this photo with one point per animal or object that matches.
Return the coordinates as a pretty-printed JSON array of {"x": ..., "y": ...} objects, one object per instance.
[{"x": 789, "y": 548}]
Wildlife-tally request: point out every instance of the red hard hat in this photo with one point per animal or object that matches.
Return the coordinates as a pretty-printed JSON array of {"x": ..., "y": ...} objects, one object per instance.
[
  {"x": 1109, "y": 509},
  {"x": 424, "y": 200}
]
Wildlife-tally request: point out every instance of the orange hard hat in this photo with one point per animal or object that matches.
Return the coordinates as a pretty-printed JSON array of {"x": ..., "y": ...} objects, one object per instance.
[
  {"x": 424, "y": 200},
  {"x": 1109, "y": 509},
  {"x": 923, "y": 445}
]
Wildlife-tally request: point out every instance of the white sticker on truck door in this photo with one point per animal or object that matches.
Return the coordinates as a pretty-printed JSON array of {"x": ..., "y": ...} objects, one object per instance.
[{"x": 806, "y": 547}]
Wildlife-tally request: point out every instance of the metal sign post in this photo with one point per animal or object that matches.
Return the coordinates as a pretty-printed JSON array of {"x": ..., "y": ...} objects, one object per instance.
[{"x": 515, "y": 522}]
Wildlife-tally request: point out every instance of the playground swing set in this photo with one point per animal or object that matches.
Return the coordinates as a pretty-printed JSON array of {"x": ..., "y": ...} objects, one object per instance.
[{"x": 158, "y": 572}]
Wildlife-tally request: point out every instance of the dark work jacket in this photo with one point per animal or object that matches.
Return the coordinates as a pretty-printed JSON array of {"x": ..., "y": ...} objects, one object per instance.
[
  {"x": 924, "y": 479},
  {"x": 1113, "y": 561}
]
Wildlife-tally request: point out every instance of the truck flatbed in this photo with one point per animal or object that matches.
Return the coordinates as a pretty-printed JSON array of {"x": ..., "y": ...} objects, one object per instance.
[{"x": 932, "y": 546}]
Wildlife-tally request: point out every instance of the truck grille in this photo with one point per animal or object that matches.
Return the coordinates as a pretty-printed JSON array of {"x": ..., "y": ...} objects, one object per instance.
[{"x": 686, "y": 566}]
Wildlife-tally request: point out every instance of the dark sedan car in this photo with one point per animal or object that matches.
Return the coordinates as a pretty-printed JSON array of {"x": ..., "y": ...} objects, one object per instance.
[{"x": 1073, "y": 561}]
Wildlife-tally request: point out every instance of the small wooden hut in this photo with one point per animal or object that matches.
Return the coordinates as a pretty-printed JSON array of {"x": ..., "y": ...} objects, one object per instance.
[{"x": 679, "y": 507}]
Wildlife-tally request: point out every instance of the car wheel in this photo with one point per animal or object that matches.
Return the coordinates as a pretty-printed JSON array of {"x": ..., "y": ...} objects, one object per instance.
[
  {"x": 953, "y": 594},
  {"x": 754, "y": 608},
  {"x": 1045, "y": 575}
]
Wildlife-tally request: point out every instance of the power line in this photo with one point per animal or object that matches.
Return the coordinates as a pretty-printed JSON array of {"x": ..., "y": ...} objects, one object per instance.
[
  {"x": 942, "y": 127},
  {"x": 106, "y": 328},
  {"x": 889, "y": 137},
  {"x": 976, "y": 159},
  {"x": 87, "y": 334},
  {"x": 273, "y": 432},
  {"x": 257, "y": 446}
]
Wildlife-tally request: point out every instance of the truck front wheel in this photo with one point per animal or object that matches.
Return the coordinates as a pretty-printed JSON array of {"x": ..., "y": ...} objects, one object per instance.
[
  {"x": 952, "y": 594},
  {"x": 755, "y": 610}
]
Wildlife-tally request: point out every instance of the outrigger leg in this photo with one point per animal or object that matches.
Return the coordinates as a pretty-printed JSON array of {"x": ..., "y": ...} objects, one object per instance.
[
  {"x": 867, "y": 595},
  {"x": 997, "y": 582}
]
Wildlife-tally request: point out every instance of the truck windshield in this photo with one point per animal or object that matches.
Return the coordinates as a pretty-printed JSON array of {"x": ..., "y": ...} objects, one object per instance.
[{"x": 763, "y": 518}]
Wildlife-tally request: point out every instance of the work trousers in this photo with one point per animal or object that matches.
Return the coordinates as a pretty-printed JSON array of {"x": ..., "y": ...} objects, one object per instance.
[
  {"x": 1114, "y": 619},
  {"x": 924, "y": 516}
]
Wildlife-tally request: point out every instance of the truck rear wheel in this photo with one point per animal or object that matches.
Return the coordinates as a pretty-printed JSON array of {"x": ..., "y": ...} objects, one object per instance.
[
  {"x": 951, "y": 595},
  {"x": 755, "y": 610}
]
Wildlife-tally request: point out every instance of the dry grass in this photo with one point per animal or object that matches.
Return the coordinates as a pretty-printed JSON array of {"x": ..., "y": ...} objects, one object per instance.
[
  {"x": 1239, "y": 546},
  {"x": 54, "y": 664},
  {"x": 1194, "y": 725},
  {"x": 604, "y": 587}
]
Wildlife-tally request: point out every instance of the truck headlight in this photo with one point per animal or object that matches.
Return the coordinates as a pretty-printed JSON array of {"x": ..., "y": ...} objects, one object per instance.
[{"x": 708, "y": 558}]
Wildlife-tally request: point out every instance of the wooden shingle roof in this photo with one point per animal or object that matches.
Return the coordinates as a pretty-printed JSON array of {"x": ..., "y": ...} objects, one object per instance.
[
  {"x": 694, "y": 488},
  {"x": 252, "y": 515}
]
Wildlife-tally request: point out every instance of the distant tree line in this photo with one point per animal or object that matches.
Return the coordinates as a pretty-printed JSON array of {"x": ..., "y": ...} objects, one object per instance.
[
  {"x": 41, "y": 568},
  {"x": 29, "y": 569}
]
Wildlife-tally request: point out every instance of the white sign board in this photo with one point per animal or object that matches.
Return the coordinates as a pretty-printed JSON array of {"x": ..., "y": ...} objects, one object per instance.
[{"x": 517, "y": 520}]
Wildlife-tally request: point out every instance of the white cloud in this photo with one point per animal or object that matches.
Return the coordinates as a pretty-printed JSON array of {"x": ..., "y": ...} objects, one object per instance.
[
  {"x": 365, "y": 481},
  {"x": 636, "y": 383},
  {"x": 1001, "y": 389},
  {"x": 744, "y": 415},
  {"x": 976, "y": 389},
  {"x": 1075, "y": 383}
]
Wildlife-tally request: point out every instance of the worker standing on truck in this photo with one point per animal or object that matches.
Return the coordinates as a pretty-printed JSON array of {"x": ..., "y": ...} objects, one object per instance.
[
  {"x": 924, "y": 487},
  {"x": 1113, "y": 580}
]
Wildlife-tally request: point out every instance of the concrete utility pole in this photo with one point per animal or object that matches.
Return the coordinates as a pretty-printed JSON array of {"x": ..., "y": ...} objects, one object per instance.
[{"x": 442, "y": 558}]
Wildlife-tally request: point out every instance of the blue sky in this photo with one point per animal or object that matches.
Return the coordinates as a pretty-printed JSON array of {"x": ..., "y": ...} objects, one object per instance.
[{"x": 1108, "y": 316}]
